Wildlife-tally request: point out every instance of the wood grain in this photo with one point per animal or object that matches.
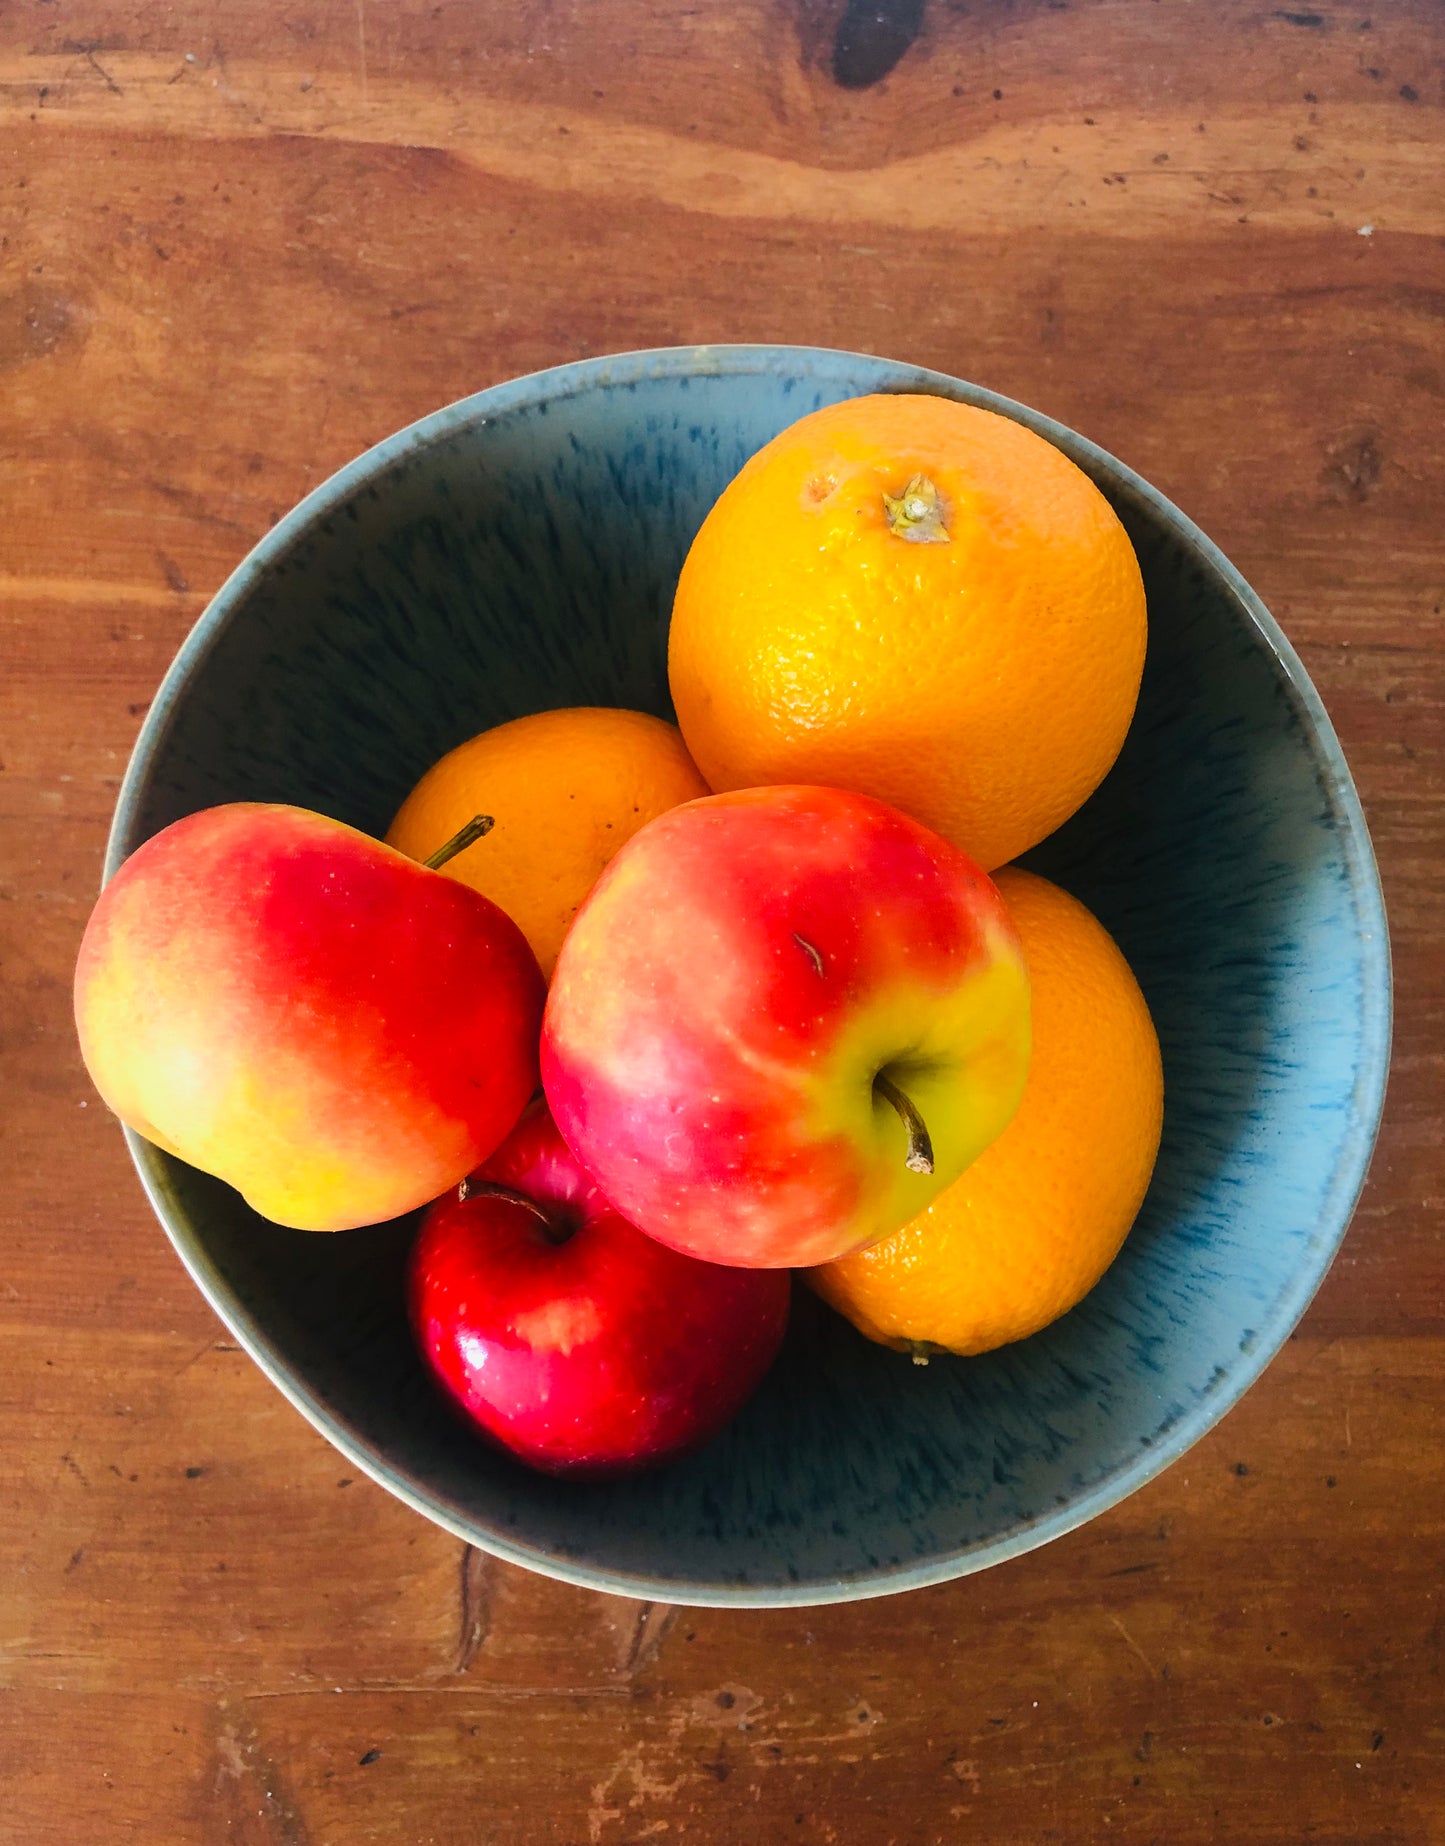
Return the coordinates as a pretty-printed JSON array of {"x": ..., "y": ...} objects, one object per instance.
[{"x": 238, "y": 244}]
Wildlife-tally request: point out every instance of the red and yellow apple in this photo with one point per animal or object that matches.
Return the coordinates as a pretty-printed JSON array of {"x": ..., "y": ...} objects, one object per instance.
[
  {"x": 565, "y": 1334},
  {"x": 284, "y": 1002},
  {"x": 783, "y": 1020}
]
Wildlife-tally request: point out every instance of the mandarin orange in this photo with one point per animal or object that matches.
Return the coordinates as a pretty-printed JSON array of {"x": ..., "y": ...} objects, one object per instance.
[
  {"x": 919, "y": 600},
  {"x": 1039, "y": 1216},
  {"x": 565, "y": 790}
]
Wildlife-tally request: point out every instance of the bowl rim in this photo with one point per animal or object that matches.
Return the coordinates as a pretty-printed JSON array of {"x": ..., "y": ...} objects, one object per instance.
[{"x": 557, "y": 383}]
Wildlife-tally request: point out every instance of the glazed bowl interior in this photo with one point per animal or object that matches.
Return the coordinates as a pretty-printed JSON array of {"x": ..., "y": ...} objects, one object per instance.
[{"x": 517, "y": 552}]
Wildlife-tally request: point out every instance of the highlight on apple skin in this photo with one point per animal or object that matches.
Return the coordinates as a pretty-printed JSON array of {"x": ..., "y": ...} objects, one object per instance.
[
  {"x": 565, "y": 1334},
  {"x": 310, "y": 1015},
  {"x": 764, "y": 999}
]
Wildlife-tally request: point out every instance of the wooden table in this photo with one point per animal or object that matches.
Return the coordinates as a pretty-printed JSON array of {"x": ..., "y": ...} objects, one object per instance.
[{"x": 239, "y": 243}]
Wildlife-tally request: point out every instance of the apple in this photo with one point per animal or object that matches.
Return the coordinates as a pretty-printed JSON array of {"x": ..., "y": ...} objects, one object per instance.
[
  {"x": 782, "y": 1021},
  {"x": 338, "y": 1031},
  {"x": 568, "y": 1336}
]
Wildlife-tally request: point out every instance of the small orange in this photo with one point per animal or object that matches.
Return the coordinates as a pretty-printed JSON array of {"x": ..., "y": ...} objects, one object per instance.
[
  {"x": 919, "y": 600},
  {"x": 565, "y": 789},
  {"x": 1039, "y": 1216}
]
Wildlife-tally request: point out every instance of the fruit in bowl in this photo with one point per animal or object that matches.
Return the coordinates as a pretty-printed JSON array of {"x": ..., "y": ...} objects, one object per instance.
[
  {"x": 515, "y": 552},
  {"x": 566, "y": 790},
  {"x": 919, "y": 599},
  {"x": 1028, "y": 1230},
  {"x": 783, "y": 1020},
  {"x": 568, "y": 1336},
  {"x": 284, "y": 1002}
]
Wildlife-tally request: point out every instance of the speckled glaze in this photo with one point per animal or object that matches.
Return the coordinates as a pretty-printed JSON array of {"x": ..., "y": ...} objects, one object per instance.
[{"x": 517, "y": 551}]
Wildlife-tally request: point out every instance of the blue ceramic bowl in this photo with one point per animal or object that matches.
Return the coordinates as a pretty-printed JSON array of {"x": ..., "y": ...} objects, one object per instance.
[{"x": 518, "y": 551}]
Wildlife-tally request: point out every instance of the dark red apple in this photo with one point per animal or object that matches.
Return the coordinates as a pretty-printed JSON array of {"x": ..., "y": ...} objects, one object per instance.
[{"x": 567, "y": 1335}]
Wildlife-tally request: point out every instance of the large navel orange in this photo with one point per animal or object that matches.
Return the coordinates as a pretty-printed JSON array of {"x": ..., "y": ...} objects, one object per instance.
[
  {"x": 565, "y": 789},
  {"x": 1039, "y": 1216},
  {"x": 920, "y": 600}
]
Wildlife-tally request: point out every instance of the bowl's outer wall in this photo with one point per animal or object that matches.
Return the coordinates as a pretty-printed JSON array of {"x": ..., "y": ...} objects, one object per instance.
[{"x": 517, "y": 552}]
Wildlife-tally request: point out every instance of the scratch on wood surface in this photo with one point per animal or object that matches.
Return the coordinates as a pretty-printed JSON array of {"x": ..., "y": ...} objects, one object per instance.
[
  {"x": 599, "y": 1815},
  {"x": 85, "y": 590},
  {"x": 195, "y": 506},
  {"x": 207, "y": 1345},
  {"x": 100, "y": 70},
  {"x": 430, "y": 1689},
  {"x": 175, "y": 577},
  {"x": 654, "y": 1623},
  {"x": 646, "y": 1786},
  {"x": 476, "y": 1606},
  {"x": 731, "y": 1707},
  {"x": 247, "y": 1780},
  {"x": 75, "y": 1468},
  {"x": 1132, "y": 1644},
  {"x": 361, "y": 42}
]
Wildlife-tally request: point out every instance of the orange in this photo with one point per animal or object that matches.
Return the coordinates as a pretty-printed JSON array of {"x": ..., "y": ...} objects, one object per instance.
[
  {"x": 919, "y": 600},
  {"x": 565, "y": 789},
  {"x": 1039, "y": 1216}
]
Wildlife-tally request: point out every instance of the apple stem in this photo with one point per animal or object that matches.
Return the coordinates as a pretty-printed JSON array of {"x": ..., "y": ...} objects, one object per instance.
[
  {"x": 475, "y": 828},
  {"x": 489, "y": 1189},
  {"x": 920, "y": 1147}
]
